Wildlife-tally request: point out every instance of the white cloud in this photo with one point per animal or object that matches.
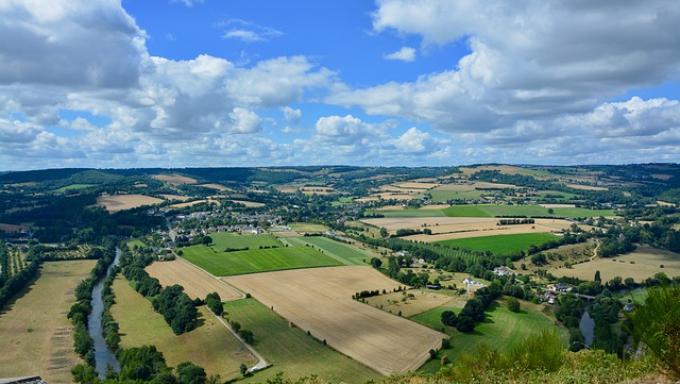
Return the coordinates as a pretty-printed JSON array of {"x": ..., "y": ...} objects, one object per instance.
[
  {"x": 406, "y": 54},
  {"x": 245, "y": 121},
  {"x": 247, "y": 31},
  {"x": 291, "y": 115}
]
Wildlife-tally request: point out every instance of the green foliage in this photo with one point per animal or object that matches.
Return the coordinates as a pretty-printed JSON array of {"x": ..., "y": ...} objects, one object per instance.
[
  {"x": 189, "y": 373},
  {"x": 513, "y": 305},
  {"x": 656, "y": 324},
  {"x": 214, "y": 302},
  {"x": 141, "y": 363}
]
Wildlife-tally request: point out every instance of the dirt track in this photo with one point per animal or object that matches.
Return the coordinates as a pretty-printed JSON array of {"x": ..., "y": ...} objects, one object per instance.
[
  {"x": 196, "y": 282},
  {"x": 320, "y": 300}
]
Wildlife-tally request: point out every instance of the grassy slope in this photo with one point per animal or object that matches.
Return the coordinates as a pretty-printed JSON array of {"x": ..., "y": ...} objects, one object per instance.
[
  {"x": 223, "y": 240},
  {"x": 256, "y": 260},
  {"x": 501, "y": 244},
  {"x": 344, "y": 253},
  {"x": 73, "y": 187},
  {"x": 292, "y": 351},
  {"x": 501, "y": 329},
  {"x": 210, "y": 345}
]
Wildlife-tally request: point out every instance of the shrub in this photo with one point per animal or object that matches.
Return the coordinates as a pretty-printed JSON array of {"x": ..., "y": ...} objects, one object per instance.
[{"x": 513, "y": 305}]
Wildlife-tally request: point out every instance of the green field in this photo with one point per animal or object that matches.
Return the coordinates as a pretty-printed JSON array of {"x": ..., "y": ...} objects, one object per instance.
[
  {"x": 444, "y": 195},
  {"x": 291, "y": 350},
  {"x": 501, "y": 329},
  {"x": 210, "y": 345},
  {"x": 223, "y": 240},
  {"x": 501, "y": 244},
  {"x": 491, "y": 210},
  {"x": 256, "y": 260},
  {"x": 73, "y": 187},
  {"x": 344, "y": 253},
  {"x": 135, "y": 243}
]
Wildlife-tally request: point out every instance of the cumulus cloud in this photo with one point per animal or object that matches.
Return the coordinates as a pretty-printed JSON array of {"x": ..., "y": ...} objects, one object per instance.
[
  {"x": 247, "y": 31},
  {"x": 245, "y": 121},
  {"x": 406, "y": 54},
  {"x": 528, "y": 61},
  {"x": 291, "y": 115}
]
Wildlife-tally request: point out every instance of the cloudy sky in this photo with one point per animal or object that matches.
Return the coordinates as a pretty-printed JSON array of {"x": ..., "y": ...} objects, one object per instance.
[{"x": 174, "y": 83}]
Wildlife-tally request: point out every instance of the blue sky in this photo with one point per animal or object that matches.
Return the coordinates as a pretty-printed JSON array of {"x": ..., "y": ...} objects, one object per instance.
[{"x": 105, "y": 83}]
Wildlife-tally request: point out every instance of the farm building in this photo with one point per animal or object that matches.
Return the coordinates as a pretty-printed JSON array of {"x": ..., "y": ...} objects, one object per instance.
[
  {"x": 503, "y": 271},
  {"x": 23, "y": 380}
]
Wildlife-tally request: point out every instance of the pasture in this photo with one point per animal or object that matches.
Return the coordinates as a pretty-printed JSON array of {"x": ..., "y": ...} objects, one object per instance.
[
  {"x": 256, "y": 260},
  {"x": 320, "y": 301},
  {"x": 291, "y": 350},
  {"x": 500, "y": 330},
  {"x": 196, "y": 282},
  {"x": 210, "y": 345},
  {"x": 216, "y": 187},
  {"x": 640, "y": 264},
  {"x": 223, "y": 240},
  {"x": 117, "y": 203},
  {"x": 414, "y": 301},
  {"x": 497, "y": 210},
  {"x": 344, "y": 253},
  {"x": 37, "y": 338},
  {"x": 73, "y": 187},
  {"x": 308, "y": 227},
  {"x": 501, "y": 244}
]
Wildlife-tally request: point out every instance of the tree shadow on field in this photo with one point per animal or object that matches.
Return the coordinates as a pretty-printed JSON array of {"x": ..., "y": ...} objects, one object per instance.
[{"x": 22, "y": 292}]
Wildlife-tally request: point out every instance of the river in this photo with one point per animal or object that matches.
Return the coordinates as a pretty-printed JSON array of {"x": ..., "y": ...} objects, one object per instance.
[
  {"x": 103, "y": 357},
  {"x": 587, "y": 328}
]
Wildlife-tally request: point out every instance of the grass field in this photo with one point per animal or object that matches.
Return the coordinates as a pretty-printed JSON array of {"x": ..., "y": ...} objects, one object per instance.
[
  {"x": 223, "y": 240},
  {"x": 408, "y": 212},
  {"x": 344, "y": 253},
  {"x": 320, "y": 301},
  {"x": 495, "y": 210},
  {"x": 501, "y": 329},
  {"x": 501, "y": 244},
  {"x": 640, "y": 264},
  {"x": 35, "y": 334},
  {"x": 308, "y": 227},
  {"x": 210, "y": 345},
  {"x": 291, "y": 350},
  {"x": 256, "y": 260},
  {"x": 135, "y": 243}
]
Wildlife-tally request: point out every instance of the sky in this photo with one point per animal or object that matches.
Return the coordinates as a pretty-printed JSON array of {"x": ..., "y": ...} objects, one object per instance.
[{"x": 181, "y": 83}]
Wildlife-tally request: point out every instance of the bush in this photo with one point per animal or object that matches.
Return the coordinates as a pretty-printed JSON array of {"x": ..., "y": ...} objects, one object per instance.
[
  {"x": 513, "y": 305},
  {"x": 449, "y": 318}
]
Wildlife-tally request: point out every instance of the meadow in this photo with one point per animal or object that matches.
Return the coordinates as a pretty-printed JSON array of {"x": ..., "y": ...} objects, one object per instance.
[
  {"x": 308, "y": 227},
  {"x": 344, "y": 253},
  {"x": 223, "y": 240},
  {"x": 210, "y": 345},
  {"x": 36, "y": 335},
  {"x": 256, "y": 260},
  {"x": 496, "y": 210},
  {"x": 500, "y": 330},
  {"x": 501, "y": 244},
  {"x": 291, "y": 350},
  {"x": 73, "y": 187}
]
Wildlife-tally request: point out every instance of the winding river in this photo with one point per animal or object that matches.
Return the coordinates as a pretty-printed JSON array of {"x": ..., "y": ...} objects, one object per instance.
[{"x": 103, "y": 357}]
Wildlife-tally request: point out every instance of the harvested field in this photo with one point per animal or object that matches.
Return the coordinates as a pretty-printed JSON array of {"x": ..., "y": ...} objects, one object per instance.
[
  {"x": 291, "y": 350},
  {"x": 558, "y": 205},
  {"x": 175, "y": 179},
  {"x": 583, "y": 187},
  {"x": 644, "y": 262},
  {"x": 317, "y": 190},
  {"x": 394, "y": 196},
  {"x": 176, "y": 197},
  {"x": 248, "y": 204},
  {"x": 444, "y": 228},
  {"x": 192, "y": 203},
  {"x": 216, "y": 187},
  {"x": 37, "y": 338},
  {"x": 401, "y": 207},
  {"x": 210, "y": 345},
  {"x": 414, "y": 301},
  {"x": 196, "y": 282},
  {"x": 416, "y": 185},
  {"x": 386, "y": 343},
  {"x": 12, "y": 228},
  {"x": 117, "y": 203},
  {"x": 286, "y": 188}
]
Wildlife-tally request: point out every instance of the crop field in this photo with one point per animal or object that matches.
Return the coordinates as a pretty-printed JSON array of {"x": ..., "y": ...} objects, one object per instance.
[
  {"x": 256, "y": 260},
  {"x": 216, "y": 187},
  {"x": 490, "y": 210},
  {"x": 176, "y": 197},
  {"x": 192, "y": 203},
  {"x": 248, "y": 203},
  {"x": 175, "y": 179},
  {"x": 344, "y": 253},
  {"x": 409, "y": 212},
  {"x": 416, "y": 185},
  {"x": 501, "y": 244},
  {"x": 501, "y": 329},
  {"x": 320, "y": 301},
  {"x": 308, "y": 227},
  {"x": 196, "y": 282},
  {"x": 210, "y": 345},
  {"x": 415, "y": 301},
  {"x": 640, "y": 264},
  {"x": 583, "y": 187},
  {"x": 459, "y": 227},
  {"x": 223, "y": 240},
  {"x": 36, "y": 335},
  {"x": 116, "y": 203},
  {"x": 291, "y": 350}
]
